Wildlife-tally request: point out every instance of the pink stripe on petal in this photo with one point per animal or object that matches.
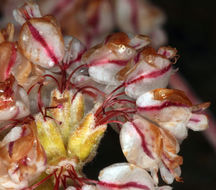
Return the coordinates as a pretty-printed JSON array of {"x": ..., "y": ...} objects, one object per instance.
[
  {"x": 12, "y": 61},
  {"x": 106, "y": 61},
  {"x": 143, "y": 142},
  {"x": 35, "y": 33},
  {"x": 154, "y": 74},
  {"x": 178, "y": 82},
  {"x": 195, "y": 120},
  {"x": 124, "y": 185},
  {"x": 159, "y": 107}
]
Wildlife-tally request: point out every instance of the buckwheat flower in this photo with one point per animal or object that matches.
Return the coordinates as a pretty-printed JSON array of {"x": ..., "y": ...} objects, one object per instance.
[
  {"x": 74, "y": 50},
  {"x": 121, "y": 176},
  {"x": 107, "y": 59},
  {"x": 150, "y": 71},
  {"x": 150, "y": 147},
  {"x": 13, "y": 62},
  {"x": 75, "y": 93},
  {"x": 40, "y": 38},
  {"x": 126, "y": 176},
  {"x": 173, "y": 111},
  {"x": 14, "y": 102},
  {"x": 8, "y": 51},
  {"x": 69, "y": 137},
  {"x": 22, "y": 158}
]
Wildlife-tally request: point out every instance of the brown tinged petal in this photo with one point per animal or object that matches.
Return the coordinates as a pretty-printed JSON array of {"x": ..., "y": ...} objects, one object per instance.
[
  {"x": 41, "y": 41},
  {"x": 172, "y": 95},
  {"x": 7, "y": 59},
  {"x": 167, "y": 51},
  {"x": 22, "y": 157},
  {"x": 7, "y": 34},
  {"x": 141, "y": 143}
]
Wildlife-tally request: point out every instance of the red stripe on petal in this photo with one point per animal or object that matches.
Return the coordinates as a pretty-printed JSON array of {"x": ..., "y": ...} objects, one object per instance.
[
  {"x": 159, "y": 107},
  {"x": 194, "y": 120},
  {"x": 106, "y": 61},
  {"x": 124, "y": 185},
  {"x": 143, "y": 141},
  {"x": 35, "y": 33},
  {"x": 12, "y": 61},
  {"x": 154, "y": 74}
]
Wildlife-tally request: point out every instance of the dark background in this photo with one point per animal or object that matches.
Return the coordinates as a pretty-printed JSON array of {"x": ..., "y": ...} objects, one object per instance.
[{"x": 191, "y": 28}]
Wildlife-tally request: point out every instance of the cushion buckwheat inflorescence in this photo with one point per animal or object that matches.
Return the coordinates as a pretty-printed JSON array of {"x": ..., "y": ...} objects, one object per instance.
[{"x": 58, "y": 97}]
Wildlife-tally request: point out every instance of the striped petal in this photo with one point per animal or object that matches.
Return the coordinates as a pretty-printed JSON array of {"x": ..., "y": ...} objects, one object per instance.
[
  {"x": 141, "y": 143},
  {"x": 41, "y": 41},
  {"x": 150, "y": 72},
  {"x": 108, "y": 58},
  {"x": 124, "y": 176}
]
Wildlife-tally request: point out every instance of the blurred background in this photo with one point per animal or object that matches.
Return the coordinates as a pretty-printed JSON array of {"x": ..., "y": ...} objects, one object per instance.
[{"x": 190, "y": 26}]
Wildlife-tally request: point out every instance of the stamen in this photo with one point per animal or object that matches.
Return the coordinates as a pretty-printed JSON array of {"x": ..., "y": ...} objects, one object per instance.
[
  {"x": 66, "y": 66},
  {"x": 84, "y": 88},
  {"x": 111, "y": 114},
  {"x": 113, "y": 121},
  {"x": 40, "y": 103},
  {"x": 57, "y": 183},
  {"x": 8, "y": 126},
  {"x": 75, "y": 70},
  {"x": 29, "y": 90},
  {"x": 57, "y": 82}
]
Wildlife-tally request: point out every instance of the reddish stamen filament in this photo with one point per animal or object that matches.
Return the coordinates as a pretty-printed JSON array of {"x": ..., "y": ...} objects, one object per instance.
[
  {"x": 40, "y": 103},
  {"x": 70, "y": 76},
  {"x": 47, "y": 75}
]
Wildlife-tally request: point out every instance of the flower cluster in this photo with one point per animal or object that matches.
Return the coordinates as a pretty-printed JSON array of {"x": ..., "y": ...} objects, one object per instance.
[
  {"x": 92, "y": 20},
  {"x": 58, "y": 98}
]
